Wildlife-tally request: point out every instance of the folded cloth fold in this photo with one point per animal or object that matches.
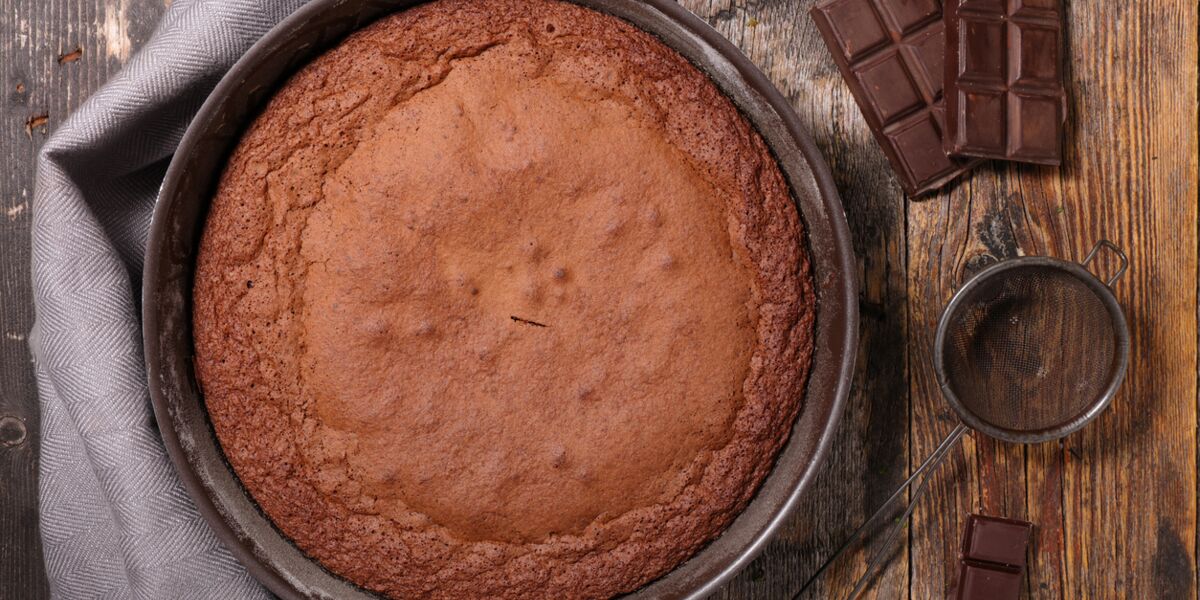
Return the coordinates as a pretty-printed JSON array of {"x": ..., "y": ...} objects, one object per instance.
[{"x": 115, "y": 519}]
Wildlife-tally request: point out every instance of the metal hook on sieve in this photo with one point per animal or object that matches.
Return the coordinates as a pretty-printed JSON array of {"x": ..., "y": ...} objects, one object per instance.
[
  {"x": 1114, "y": 249},
  {"x": 1045, "y": 288}
]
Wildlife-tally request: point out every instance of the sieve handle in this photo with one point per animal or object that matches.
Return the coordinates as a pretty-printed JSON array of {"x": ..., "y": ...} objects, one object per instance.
[
  {"x": 926, "y": 470},
  {"x": 931, "y": 464},
  {"x": 1115, "y": 250}
]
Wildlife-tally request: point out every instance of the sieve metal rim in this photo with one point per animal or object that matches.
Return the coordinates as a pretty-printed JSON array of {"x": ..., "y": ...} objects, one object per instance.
[{"x": 1102, "y": 291}]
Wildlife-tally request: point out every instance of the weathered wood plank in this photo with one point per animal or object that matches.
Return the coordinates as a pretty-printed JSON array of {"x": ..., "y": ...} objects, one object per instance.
[
  {"x": 1130, "y": 484},
  {"x": 34, "y": 34},
  {"x": 1115, "y": 504}
]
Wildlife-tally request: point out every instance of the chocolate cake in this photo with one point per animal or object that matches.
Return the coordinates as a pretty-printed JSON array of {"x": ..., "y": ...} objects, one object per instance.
[{"x": 502, "y": 299}]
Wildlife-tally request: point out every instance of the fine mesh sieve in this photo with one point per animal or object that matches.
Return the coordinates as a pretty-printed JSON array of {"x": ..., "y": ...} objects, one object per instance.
[
  {"x": 1028, "y": 350},
  {"x": 1031, "y": 349}
]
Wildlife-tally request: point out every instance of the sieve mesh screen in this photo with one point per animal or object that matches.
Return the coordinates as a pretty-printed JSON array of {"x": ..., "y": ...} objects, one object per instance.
[{"x": 1031, "y": 350}]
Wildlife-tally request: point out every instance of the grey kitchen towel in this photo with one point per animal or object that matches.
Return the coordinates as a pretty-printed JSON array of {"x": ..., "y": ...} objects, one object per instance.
[{"x": 115, "y": 519}]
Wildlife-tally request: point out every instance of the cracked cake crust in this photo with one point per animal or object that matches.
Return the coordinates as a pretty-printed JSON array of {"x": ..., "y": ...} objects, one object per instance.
[{"x": 502, "y": 299}]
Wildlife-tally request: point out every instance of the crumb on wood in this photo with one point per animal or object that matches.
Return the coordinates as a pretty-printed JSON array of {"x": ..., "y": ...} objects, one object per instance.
[
  {"x": 38, "y": 122},
  {"x": 753, "y": 22},
  {"x": 71, "y": 56},
  {"x": 20, "y": 88},
  {"x": 16, "y": 211},
  {"x": 16, "y": 337}
]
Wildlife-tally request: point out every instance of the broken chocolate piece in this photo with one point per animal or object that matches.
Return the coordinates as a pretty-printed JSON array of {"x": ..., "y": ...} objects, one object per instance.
[
  {"x": 996, "y": 540},
  {"x": 982, "y": 581},
  {"x": 993, "y": 558}
]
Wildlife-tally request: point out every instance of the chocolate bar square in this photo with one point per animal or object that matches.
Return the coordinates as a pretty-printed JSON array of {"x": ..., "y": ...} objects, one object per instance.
[
  {"x": 1036, "y": 68},
  {"x": 916, "y": 142},
  {"x": 911, "y": 15},
  {"x": 855, "y": 27},
  {"x": 987, "y": 582},
  {"x": 986, "y": 111},
  {"x": 996, "y": 540},
  {"x": 979, "y": 65},
  {"x": 890, "y": 86}
]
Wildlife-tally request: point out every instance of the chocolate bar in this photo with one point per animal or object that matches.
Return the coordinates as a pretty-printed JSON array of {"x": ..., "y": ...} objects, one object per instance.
[
  {"x": 993, "y": 558},
  {"x": 996, "y": 540},
  {"x": 890, "y": 53},
  {"x": 1004, "y": 88}
]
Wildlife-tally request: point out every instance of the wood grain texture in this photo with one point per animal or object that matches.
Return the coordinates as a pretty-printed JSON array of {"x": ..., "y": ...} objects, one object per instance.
[
  {"x": 1115, "y": 504},
  {"x": 34, "y": 36}
]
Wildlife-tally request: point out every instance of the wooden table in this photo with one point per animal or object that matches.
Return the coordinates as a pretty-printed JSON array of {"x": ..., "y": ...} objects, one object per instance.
[{"x": 1115, "y": 504}]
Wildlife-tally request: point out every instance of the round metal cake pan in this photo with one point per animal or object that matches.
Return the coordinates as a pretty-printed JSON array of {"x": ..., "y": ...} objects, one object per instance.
[{"x": 188, "y": 188}]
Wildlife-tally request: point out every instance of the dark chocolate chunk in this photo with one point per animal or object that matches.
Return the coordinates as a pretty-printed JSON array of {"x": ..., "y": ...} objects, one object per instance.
[
  {"x": 1004, "y": 87},
  {"x": 993, "y": 558},
  {"x": 982, "y": 581},
  {"x": 996, "y": 540},
  {"x": 890, "y": 53}
]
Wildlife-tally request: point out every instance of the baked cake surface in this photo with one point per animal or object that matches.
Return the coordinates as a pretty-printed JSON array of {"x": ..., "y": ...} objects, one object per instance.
[{"x": 502, "y": 299}]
